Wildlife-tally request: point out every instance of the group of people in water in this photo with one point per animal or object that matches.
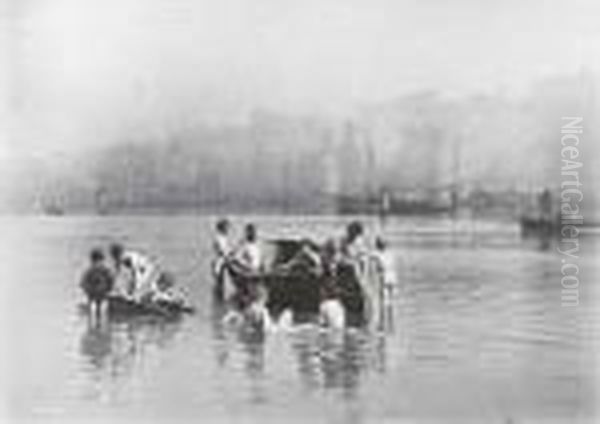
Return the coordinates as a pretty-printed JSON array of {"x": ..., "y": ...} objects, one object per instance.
[
  {"x": 133, "y": 276},
  {"x": 331, "y": 263},
  {"x": 129, "y": 274}
]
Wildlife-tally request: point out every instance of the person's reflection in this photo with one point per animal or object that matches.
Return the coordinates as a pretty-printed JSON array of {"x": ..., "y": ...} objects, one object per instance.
[
  {"x": 352, "y": 360},
  {"x": 220, "y": 340},
  {"x": 341, "y": 362},
  {"x": 115, "y": 345},
  {"x": 157, "y": 334},
  {"x": 307, "y": 351},
  {"x": 125, "y": 349},
  {"x": 231, "y": 339},
  {"x": 381, "y": 354},
  {"x": 96, "y": 343},
  {"x": 253, "y": 345}
]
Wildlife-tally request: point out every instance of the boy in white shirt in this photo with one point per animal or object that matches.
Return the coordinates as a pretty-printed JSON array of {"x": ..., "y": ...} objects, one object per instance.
[
  {"x": 386, "y": 279},
  {"x": 249, "y": 254}
]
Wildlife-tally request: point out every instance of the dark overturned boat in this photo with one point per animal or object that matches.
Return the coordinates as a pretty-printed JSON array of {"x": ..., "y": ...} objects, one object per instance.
[{"x": 293, "y": 281}]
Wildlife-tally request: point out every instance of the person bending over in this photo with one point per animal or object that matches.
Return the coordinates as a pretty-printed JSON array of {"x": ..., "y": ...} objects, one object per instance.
[{"x": 135, "y": 272}]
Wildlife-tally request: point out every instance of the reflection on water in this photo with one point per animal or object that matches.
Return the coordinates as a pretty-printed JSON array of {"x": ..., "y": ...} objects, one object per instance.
[
  {"x": 324, "y": 359},
  {"x": 96, "y": 344},
  {"x": 477, "y": 334},
  {"x": 115, "y": 348}
]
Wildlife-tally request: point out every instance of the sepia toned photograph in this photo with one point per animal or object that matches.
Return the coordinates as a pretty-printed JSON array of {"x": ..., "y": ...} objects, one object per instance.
[{"x": 286, "y": 211}]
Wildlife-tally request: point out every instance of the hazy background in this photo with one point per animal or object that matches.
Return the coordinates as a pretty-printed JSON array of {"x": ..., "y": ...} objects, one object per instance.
[
  {"x": 287, "y": 83},
  {"x": 280, "y": 106}
]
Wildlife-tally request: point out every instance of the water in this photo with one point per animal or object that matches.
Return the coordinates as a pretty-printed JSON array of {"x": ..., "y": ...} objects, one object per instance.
[{"x": 479, "y": 334}]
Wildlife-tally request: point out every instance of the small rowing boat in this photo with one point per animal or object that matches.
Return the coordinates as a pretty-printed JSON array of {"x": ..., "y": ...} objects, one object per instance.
[{"x": 123, "y": 307}]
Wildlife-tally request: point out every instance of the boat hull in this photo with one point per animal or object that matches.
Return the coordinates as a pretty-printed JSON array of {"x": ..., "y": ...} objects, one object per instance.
[{"x": 120, "y": 306}]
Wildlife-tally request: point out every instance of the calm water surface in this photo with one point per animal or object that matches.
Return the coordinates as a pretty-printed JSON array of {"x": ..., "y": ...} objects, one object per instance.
[{"x": 479, "y": 334}]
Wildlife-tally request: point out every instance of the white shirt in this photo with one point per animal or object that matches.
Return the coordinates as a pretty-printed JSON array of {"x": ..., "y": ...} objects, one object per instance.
[
  {"x": 385, "y": 263},
  {"x": 251, "y": 256},
  {"x": 357, "y": 249},
  {"x": 221, "y": 245},
  {"x": 144, "y": 270},
  {"x": 123, "y": 281}
]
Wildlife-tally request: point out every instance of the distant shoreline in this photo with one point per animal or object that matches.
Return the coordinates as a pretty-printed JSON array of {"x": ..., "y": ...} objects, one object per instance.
[{"x": 586, "y": 228}]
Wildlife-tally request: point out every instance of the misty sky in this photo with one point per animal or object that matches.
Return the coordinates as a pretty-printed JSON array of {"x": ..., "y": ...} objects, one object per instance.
[{"x": 87, "y": 72}]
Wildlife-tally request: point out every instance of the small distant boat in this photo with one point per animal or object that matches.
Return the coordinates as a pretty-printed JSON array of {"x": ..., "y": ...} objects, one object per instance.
[
  {"x": 541, "y": 219},
  {"x": 54, "y": 209},
  {"x": 536, "y": 225}
]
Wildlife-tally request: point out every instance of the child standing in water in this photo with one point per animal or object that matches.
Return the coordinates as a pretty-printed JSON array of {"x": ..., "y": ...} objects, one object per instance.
[
  {"x": 386, "y": 282},
  {"x": 222, "y": 248},
  {"x": 97, "y": 281}
]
